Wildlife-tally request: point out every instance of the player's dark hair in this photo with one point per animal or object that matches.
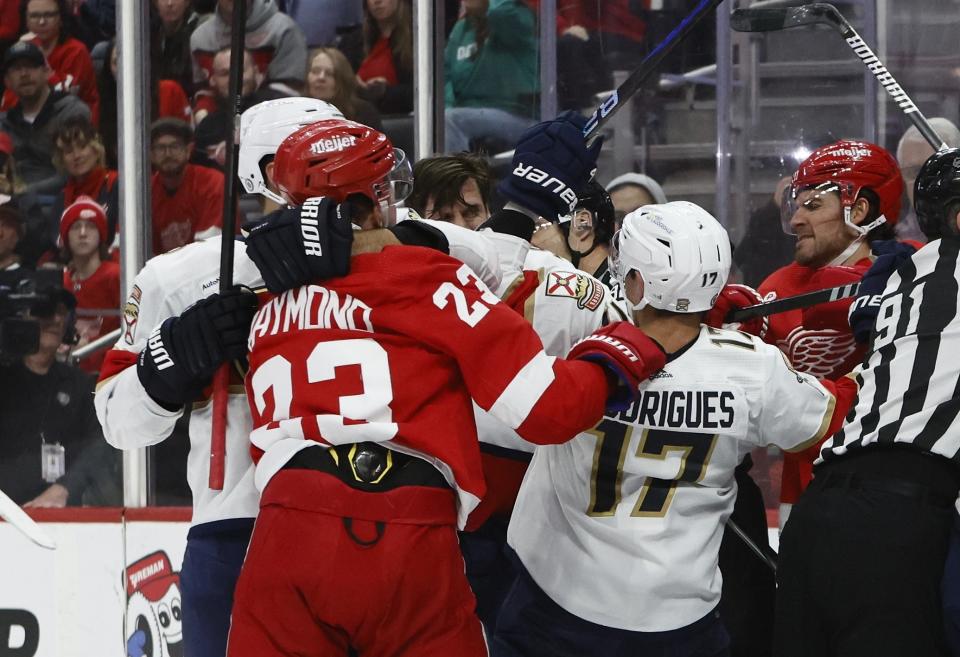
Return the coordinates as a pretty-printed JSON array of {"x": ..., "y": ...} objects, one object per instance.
[{"x": 442, "y": 177}]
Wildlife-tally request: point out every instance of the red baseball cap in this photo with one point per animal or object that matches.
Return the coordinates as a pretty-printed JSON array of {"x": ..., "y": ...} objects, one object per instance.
[
  {"x": 87, "y": 209},
  {"x": 152, "y": 576}
]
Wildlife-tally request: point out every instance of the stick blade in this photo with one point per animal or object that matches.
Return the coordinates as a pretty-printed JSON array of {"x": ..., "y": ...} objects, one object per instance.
[{"x": 780, "y": 18}]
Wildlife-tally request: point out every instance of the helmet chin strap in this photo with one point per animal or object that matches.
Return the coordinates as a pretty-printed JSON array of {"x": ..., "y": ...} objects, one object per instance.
[{"x": 862, "y": 232}]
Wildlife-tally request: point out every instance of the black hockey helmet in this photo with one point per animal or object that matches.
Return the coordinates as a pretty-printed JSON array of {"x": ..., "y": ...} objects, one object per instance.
[
  {"x": 595, "y": 198},
  {"x": 936, "y": 194}
]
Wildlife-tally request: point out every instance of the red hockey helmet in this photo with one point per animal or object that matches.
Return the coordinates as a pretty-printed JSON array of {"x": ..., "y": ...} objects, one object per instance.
[
  {"x": 847, "y": 167},
  {"x": 337, "y": 158}
]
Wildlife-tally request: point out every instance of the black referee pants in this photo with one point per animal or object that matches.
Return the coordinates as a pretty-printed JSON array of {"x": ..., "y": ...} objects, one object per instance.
[{"x": 862, "y": 556}]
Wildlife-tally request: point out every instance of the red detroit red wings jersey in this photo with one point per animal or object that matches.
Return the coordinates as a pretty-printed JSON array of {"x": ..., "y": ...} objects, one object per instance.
[
  {"x": 393, "y": 353},
  {"x": 827, "y": 353}
]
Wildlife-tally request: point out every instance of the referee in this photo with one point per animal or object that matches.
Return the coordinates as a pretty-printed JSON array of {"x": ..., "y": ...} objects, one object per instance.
[{"x": 863, "y": 554}]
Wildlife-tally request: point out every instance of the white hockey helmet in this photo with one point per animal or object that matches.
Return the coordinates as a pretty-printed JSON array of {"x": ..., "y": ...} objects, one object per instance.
[
  {"x": 681, "y": 252},
  {"x": 262, "y": 129}
]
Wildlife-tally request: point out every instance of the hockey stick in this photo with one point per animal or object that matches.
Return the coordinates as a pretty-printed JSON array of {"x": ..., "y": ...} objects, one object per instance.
[
  {"x": 766, "y": 557},
  {"x": 822, "y": 13},
  {"x": 612, "y": 104},
  {"x": 12, "y": 513},
  {"x": 793, "y": 303},
  {"x": 221, "y": 380}
]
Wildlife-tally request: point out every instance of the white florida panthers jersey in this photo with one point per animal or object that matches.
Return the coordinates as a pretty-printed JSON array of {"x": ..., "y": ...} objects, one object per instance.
[{"x": 622, "y": 525}]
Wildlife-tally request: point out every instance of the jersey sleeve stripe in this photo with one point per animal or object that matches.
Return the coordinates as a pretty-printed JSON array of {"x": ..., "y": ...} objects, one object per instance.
[
  {"x": 822, "y": 430},
  {"x": 524, "y": 391}
]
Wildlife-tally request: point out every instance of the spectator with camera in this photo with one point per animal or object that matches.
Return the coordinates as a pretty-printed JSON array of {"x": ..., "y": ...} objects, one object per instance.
[{"x": 52, "y": 453}]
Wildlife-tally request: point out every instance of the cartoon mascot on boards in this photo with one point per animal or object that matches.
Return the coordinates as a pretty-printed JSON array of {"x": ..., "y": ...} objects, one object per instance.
[{"x": 154, "y": 619}]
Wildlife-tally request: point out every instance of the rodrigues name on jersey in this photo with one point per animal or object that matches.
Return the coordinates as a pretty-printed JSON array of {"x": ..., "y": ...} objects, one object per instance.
[{"x": 633, "y": 510}]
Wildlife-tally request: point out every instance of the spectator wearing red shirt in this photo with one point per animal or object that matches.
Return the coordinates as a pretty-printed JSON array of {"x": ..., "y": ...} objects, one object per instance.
[
  {"x": 386, "y": 73},
  {"x": 187, "y": 198},
  {"x": 68, "y": 58},
  {"x": 80, "y": 154},
  {"x": 89, "y": 275}
]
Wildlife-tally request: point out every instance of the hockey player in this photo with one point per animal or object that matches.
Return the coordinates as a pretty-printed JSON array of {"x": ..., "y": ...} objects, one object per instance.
[
  {"x": 843, "y": 197},
  {"x": 562, "y": 305},
  {"x": 138, "y": 403},
  {"x": 633, "y": 510},
  {"x": 862, "y": 558},
  {"x": 588, "y": 234},
  {"x": 364, "y": 433}
]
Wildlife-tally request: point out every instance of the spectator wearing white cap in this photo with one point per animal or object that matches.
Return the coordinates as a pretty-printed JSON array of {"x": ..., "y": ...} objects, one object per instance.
[{"x": 630, "y": 191}]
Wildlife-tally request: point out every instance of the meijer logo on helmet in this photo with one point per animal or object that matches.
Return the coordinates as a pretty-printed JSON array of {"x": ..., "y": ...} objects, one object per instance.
[{"x": 332, "y": 144}]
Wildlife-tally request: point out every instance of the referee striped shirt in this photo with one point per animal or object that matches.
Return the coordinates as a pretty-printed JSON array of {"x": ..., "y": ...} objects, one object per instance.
[{"x": 910, "y": 380}]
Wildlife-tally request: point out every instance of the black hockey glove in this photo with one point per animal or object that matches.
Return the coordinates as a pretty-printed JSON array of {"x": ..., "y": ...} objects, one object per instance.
[
  {"x": 551, "y": 165},
  {"x": 295, "y": 246},
  {"x": 863, "y": 312},
  {"x": 183, "y": 353}
]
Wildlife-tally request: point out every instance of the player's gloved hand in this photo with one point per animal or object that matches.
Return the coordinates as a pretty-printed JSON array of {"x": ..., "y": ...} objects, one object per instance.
[
  {"x": 295, "y": 246},
  {"x": 732, "y": 297},
  {"x": 831, "y": 315},
  {"x": 183, "y": 353},
  {"x": 546, "y": 153},
  {"x": 625, "y": 351},
  {"x": 863, "y": 311}
]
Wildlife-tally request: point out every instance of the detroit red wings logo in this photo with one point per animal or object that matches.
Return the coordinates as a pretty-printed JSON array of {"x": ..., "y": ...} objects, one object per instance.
[{"x": 824, "y": 353}]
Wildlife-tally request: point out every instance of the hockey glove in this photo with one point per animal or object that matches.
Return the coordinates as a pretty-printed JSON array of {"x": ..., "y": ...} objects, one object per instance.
[
  {"x": 295, "y": 246},
  {"x": 863, "y": 312},
  {"x": 628, "y": 353},
  {"x": 183, "y": 353},
  {"x": 551, "y": 164},
  {"x": 732, "y": 297}
]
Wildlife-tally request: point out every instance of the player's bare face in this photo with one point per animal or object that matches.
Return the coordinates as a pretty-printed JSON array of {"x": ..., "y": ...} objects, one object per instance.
[
  {"x": 321, "y": 83},
  {"x": 818, "y": 224},
  {"x": 471, "y": 213}
]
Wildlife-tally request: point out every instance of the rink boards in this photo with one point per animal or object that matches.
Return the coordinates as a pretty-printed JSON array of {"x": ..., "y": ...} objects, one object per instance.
[{"x": 113, "y": 580}]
